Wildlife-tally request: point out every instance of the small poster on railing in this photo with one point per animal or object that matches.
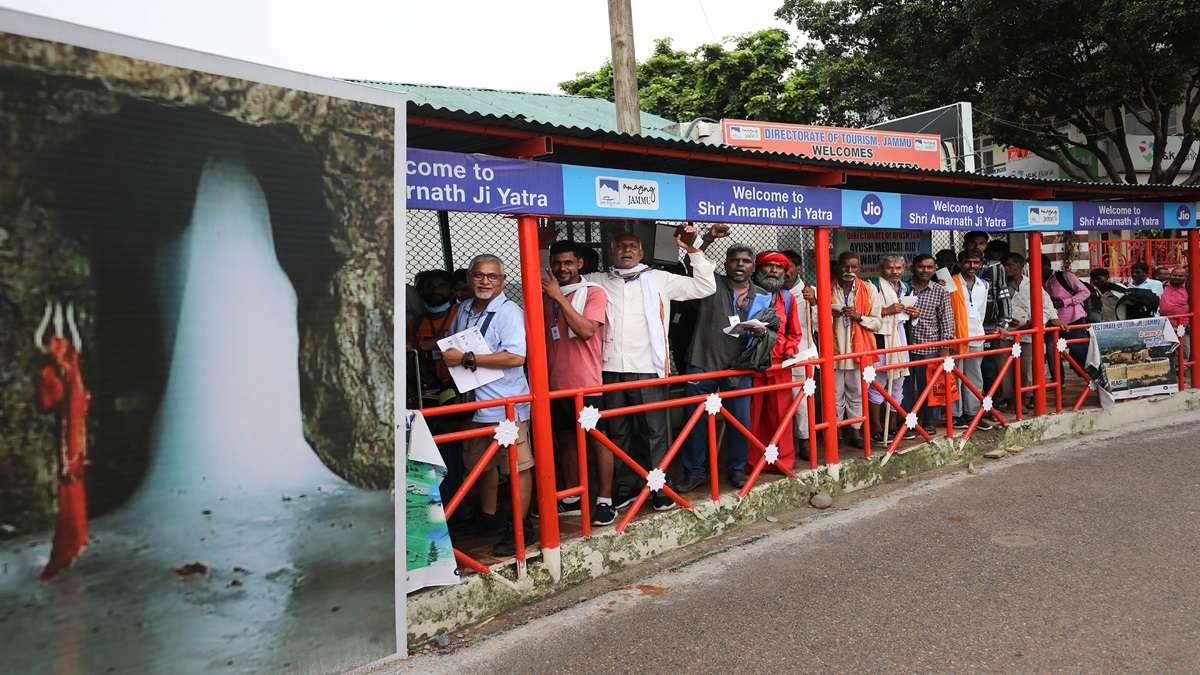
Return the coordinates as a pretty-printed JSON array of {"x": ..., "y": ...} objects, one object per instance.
[
  {"x": 429, "y": 552},
  {"x": 1134, "y": 358}
]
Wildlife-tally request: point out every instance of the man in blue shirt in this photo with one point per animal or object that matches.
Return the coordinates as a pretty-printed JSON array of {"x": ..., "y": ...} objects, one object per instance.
[
  {"x": 502, "y": 323},
  {"x": 1139, "y": 273}
]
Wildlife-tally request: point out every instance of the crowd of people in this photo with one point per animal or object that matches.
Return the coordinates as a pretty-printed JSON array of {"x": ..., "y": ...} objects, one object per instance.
[{"x": 632, "y": 323}]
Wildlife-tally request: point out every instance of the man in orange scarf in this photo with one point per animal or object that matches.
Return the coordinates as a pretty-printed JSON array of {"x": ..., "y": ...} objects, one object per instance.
[
  {"x": 856, "y": 318},
  {"x": 769, "y": 411},
  {"x": 968, "y": 301}
]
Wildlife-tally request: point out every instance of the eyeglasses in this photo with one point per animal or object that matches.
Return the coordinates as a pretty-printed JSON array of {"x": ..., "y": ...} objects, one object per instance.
[{"x": 490, "y": 276}]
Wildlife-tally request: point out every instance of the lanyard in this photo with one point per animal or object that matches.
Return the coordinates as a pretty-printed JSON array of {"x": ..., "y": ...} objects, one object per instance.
[{"x": 733, "y": 303}]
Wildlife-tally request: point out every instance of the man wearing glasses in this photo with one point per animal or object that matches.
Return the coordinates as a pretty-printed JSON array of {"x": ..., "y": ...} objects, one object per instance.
[{"x": 502, "y": 324}]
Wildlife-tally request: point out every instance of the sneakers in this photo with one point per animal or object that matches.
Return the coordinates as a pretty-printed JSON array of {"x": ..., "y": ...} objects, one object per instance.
[
  {"x": 910, "y": 435},
  {"x": 661, "y": 501},
  {"x": 507, "y": 545},
  {"x": 604, "y": 514},
  {"x": 984, "y": 425},
  {"x": 621, "y": 501},
  {"x": 693, "y": 483},
  {"x": 564, "y": 508},
  {"x": 962, "y": 422},
  {"x": 737, "y": 478}
]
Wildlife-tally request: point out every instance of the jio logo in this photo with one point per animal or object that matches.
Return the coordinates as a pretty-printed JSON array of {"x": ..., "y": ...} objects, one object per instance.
[
  {"x": 872, "y": 209},
  {"x": 1183, "y": 216}
]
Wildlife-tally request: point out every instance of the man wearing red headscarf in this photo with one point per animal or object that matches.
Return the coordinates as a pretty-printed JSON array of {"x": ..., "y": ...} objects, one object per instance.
[{"x": 768, "y": 411}]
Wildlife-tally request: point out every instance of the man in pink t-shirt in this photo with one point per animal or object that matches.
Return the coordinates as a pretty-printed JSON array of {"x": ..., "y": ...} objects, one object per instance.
[{"x": 574, "y": 318}]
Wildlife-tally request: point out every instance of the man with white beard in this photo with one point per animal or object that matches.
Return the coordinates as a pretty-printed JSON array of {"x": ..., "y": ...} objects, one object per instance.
[{"x": 767, "y": 409}]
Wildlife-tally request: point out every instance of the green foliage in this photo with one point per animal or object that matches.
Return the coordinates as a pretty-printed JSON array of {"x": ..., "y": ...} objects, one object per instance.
[
  {"x": 1032, "y": 70},
  {"x": 750, "y": 76}
]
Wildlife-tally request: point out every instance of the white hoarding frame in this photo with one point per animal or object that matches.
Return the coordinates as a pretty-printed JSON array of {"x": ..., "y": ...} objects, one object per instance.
[{"x": 54, "y": 30}]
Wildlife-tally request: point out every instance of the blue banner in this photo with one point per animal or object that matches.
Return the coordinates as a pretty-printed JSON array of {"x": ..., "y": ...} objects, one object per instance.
[
  {"x": 920, "y": 212},
  {"x": 871, "y": 209},
  {"x": 715, "y": 200},
  {"x": 453, "y": 181},
  {"x": 611, "y": 193},
  {"x": 458, "y": 182}
]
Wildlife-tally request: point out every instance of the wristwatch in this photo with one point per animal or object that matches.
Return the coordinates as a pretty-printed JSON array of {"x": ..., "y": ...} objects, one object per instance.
[{"x": 469, "y": 360}]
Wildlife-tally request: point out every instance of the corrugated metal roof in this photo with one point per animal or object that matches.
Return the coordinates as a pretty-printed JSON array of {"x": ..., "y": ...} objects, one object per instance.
[
  {"x": 595, "y": 118},
  {"x": 558, "y": 110},
  {"x": 894, "y": 171}
]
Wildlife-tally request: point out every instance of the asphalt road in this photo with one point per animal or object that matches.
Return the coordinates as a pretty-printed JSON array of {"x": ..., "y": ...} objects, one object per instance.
[{"x": 1082, "y": 556}]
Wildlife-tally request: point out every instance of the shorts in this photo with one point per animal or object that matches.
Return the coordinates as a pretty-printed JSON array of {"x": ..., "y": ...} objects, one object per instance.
[
  {"x": 473, "y": 449},
  {"x": 563, "y": 417}
]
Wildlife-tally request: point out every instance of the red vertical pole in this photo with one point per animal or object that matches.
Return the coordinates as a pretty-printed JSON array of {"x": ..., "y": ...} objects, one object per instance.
[
  {"x": 1039, "y": 336},
  {"x": 539, "y": 386},
  {"x": 585, "y": 499},
  {"x": 1194, "y": 303},
  {"x": 821, "y": 251}
]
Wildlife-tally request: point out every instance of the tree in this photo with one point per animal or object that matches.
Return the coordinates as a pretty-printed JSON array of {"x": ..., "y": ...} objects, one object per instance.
[
  {"x": 1032, "y": 70},
  {"x": 757, "y": 78}
]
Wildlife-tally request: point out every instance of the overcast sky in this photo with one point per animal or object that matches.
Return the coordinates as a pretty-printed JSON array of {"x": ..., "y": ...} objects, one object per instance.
[{"x": 526, "y": 45}]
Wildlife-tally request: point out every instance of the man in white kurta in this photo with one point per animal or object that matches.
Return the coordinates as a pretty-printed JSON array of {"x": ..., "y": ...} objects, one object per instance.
[
  {"x": 893, "y": 316},
  {"x": 635, "y": 348},
  {"x": 806, "y": 302}
]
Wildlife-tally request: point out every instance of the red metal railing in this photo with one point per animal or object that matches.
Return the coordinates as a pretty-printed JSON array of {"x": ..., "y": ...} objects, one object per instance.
[
  {"x": 548, "y": 493},
  {"x": 1119, "y": 255}
]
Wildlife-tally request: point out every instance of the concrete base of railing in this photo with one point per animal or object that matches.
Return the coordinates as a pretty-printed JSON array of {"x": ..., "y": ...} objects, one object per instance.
[{"x": 447, "y": 609}]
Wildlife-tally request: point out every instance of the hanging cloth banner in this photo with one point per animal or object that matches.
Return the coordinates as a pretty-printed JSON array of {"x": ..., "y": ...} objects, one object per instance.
[
  {"x": 1134, "y": 358},
  {"x": 429, "y": 552}
]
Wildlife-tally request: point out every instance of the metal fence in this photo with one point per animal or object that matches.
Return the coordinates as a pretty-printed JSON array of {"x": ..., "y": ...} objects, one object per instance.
[{"x": 448, "y": 240}]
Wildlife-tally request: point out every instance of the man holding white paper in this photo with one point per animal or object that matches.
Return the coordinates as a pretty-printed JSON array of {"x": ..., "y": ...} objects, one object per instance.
[
  {"x": 714, "y": 347},
  {"x": 898, "y": 307},
  {"x": 502, "y": 325}
]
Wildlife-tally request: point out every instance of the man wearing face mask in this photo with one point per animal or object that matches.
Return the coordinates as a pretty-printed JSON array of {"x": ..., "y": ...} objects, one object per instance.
[
  {"x": 434, "y": 324},
  {"x": 635, "y": 347},
  {"x": 856, "y": 319},
  {"x": 713, "y": 349},
  {"x": 767, "y": 410}
]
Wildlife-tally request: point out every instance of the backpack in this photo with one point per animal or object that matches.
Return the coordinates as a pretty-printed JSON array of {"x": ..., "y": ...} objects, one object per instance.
[{"x": 1140, "y": 303}]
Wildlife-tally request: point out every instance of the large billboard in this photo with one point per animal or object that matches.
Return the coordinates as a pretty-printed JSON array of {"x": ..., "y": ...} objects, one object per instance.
[
  {"x": 868, "y": 146},
  {"x": 196, "y": 338}
]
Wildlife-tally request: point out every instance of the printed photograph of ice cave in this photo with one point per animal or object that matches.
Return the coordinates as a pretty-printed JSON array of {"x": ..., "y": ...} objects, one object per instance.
[{"x": 196, "y": 458}]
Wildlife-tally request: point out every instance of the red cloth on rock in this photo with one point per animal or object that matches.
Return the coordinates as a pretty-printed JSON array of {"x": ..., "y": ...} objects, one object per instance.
[{"x": 60, "y": 387}]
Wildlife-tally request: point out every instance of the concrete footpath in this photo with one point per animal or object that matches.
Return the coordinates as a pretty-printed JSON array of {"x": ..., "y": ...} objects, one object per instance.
[{"x": 1080, "y": 555}]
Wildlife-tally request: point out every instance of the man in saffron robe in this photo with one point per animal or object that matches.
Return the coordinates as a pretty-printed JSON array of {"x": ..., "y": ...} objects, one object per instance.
[{"x": 770, "y": 410}]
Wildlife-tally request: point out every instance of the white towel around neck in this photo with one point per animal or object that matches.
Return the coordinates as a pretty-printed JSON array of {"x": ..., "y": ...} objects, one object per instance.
[
  {"x": 579, "y": 300},
  {"x": 652, "y": 306}
]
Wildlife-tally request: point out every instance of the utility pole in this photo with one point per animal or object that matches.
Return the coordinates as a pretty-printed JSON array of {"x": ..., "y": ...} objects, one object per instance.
[{"x": 624, "y": 65}]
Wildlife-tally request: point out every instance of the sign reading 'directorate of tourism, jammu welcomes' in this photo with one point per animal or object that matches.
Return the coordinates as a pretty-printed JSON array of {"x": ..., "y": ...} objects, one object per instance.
[
  {"x": 867, "y": 146},
  {"x": 453, "y": 181}
]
